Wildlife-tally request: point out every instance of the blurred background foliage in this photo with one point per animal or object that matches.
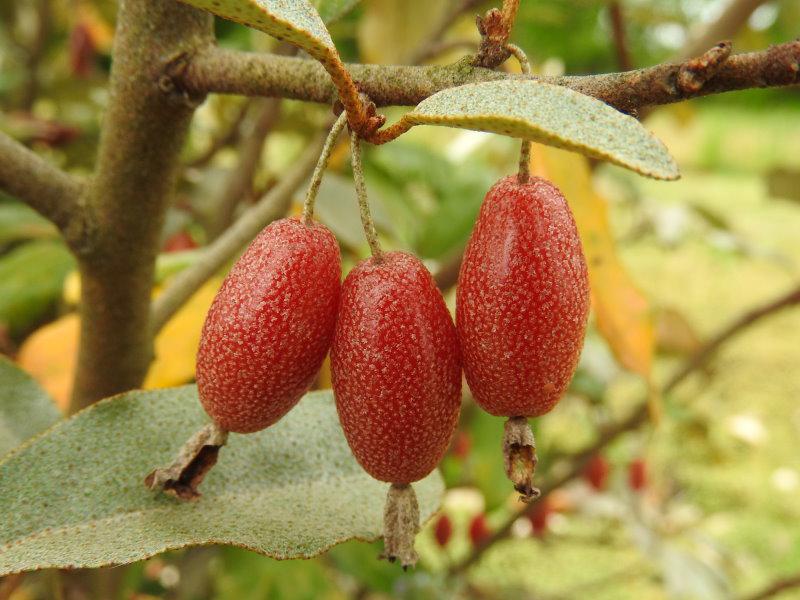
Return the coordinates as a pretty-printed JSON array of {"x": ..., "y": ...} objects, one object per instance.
[{"x": 702, "y": 501}]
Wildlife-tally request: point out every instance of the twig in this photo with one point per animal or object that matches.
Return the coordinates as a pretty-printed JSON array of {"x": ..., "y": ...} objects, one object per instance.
[
  {"x": 272, "y": 206},
  {"x": 776, "y": 588},
  {"x": 36, "y": 53},
  {"x": 239, "y": 181},
  {"x": 729, "y": 22},
  {"x": 229, "y": 136},
  {"x": 230, "y": 72},
  {"x": 433, "y": 45},
  {"x": 618, "y": 34},
  {"x": 639, "y": 416},
  {"x": 45, "y": 188}
]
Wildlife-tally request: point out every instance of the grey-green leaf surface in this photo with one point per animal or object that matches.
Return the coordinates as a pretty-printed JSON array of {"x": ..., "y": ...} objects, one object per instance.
[
  {"x": 333, "y": 10},
  {"x": 25, "y": 408},
  {"x": 74, "y": 497},
  {"x": 549, "y": 114},
  {"x": 295, "y": 21}
]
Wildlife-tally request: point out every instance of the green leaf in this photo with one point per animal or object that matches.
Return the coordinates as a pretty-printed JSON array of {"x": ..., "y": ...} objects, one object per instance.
[
  {"x": 294, "y": 21},
  {"x": 20, "y": 222},
  {"x": 333, "y": 10},
  {"x": 25, "y": 408},
  {"x": 75, "y": 497},
  {"x": 31, "y": 278},
  {"x": 549, "y": 114}
]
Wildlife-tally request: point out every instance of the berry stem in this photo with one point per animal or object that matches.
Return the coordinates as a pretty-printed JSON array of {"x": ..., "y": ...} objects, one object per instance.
[
  {"x": 322, "y": 164},
  {"x": 400, "y": 525},
  {"x": 363, "y": 201},
  {"x": 519, "y": 456},
  {"x": 524, "y": 173},
  {"x": 195, "y": 459}
]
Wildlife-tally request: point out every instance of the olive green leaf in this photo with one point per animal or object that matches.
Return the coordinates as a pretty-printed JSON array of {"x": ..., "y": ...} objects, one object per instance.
[
  {"x": 74, "y": 497},
  {"x": 333, "y": 10},
  {"x": 25, "y": 408},
  {"x": 294, "y": 21},
  {"x": 550, "y": 114}
]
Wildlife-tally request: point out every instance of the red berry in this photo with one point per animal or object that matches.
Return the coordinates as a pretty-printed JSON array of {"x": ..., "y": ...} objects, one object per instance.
[
  {"x": 270, "y": 326},
  {"x": 479, "y": 530},
  {"x": 462, "y": 444},
  {"x": 540, "y": 517},
  {"x": 523, "y": 299},
  {"x": 443, "y": 530},
  {"x": 637, "y": 475},
  {"x": 596, "y": 472},
  {"x": 182, "y": 240},
  {"x": 396, "y": 368}
]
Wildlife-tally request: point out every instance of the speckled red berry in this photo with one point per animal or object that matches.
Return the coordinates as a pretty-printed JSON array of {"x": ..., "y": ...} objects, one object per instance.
[
  {"x": 637, "y": 475},
  {"x": 540, "y": 517},
  {"x": 596, "y": 472},
  {"x": 396, "y": 368},
  {"x": 270, "y": 326},
  {"x": 522, "y": 300},
  {"x": 443, "y": 530}
]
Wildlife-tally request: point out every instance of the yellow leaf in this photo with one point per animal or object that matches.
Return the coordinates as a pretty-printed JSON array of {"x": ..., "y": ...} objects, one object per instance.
[
  {"x": 622, "y": 312},
  {"x": 176, "y": 344},
  {"x": 391, "y": 31},
  {"x": 50, "y": 355}
]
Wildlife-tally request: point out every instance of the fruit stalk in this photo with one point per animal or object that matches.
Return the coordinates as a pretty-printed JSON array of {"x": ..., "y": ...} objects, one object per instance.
[
  {"x": 400, "y": 525},
  {"x": 519, "y": 457},
  {"x": 363, "y": 201},
  {"x": 524, "y": 173},
  {"x": 322, "y": 164},
  {"x": 195, "y": 459}
]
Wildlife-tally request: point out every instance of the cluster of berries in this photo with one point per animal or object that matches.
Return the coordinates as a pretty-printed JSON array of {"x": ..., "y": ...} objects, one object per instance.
[{"x": 396, "y": 355}]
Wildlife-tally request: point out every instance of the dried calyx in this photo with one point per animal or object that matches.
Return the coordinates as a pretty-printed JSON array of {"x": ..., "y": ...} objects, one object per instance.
[
  {"x": 519, "y": 457},
  {"x": 400, "y": 525},
  {"x": 195, "y": 459}
]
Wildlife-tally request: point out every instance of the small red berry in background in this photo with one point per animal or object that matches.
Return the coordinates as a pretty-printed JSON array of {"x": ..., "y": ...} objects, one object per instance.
[
  {"x": 443, "y": 530},
  {"x": 462, "y": 444},
  {"x": 596, "y": 472},
  {"x": 479, "y": 529},
  {"x": 637, "y": 475},
  {"x": 82, "y": 51},
  {"x": 540, "y": 517},
  {"x": 180, "y": 241}
]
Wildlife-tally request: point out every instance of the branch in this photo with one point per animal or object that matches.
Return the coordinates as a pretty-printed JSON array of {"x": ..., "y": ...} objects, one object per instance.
[
  {"x": 724, "y": 27},
  {"x": 47, "y": 189},
  {"x": 578, "y": 460},
  {"x": 143, "y": 131},
  {"x": 256, "y": 74},
  {"x": 272, "y": 206},
  {"x": 775, "y": 588}
]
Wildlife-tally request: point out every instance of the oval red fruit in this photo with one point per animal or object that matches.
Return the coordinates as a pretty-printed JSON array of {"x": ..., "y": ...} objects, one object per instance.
[
  {"x": 443, "y": 530},
  {"x": 540, "y": 517},
  {"x": 396, "y": 368},
  {"x": 522, "y": 299},
  {"x": 479, "y": 529},
  {"x": 637, "y": 475},
  {"x": 270, "y": 326},
  {"x": 596, "y": 472}
]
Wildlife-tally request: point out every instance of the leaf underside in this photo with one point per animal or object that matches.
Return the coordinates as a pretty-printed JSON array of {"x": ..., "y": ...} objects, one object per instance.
[
  {"x": 294, "y": 21},
  {"x": 550, "y": 114},
  {"x": 25, "y": 408},
  {"x": 74, "y": 497}
]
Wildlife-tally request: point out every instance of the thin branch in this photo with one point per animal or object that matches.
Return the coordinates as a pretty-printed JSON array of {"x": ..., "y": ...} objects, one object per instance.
[
  {"x": 730, "y": 21},
  {"x": 776, "y": 588},
  {"x": 272, "y": 206},
  {"x": 239, "y": 181},
  {"x": 47, "y": 189},
  {"x": 432, "y": 46},
  {"x": 223, "y": 71},
  {"x": 624, "y": 61},
  {"x": 578, "y": 460}
]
